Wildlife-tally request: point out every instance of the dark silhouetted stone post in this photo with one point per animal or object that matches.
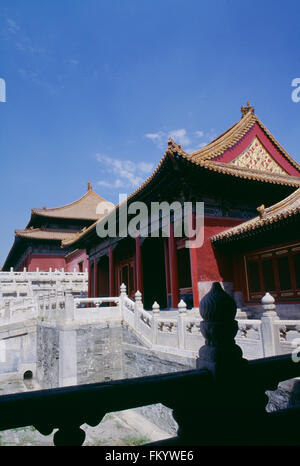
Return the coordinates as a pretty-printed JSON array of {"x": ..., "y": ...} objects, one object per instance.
[
  {"x": 236, "y": 399},
  {"x": 219, "y": 329}
]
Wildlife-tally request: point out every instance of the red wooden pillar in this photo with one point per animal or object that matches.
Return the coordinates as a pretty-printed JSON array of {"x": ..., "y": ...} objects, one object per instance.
[
  {"x": 95, "y": 278},
  {"x": 138, "y": 264},
  {"x": 111, "y": 271},
  {"x": 89, "y": 279},
  {"x": 194, "y": 269},
  {"x": 167, "y": 269},
  {"x": 194, "y": 273},
  {"x": 173, "y": 268}
]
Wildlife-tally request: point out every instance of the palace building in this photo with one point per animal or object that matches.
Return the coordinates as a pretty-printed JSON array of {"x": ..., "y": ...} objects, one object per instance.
[
  {"x": 250, "y": 188},
  {"x": 39, "y": 244}
]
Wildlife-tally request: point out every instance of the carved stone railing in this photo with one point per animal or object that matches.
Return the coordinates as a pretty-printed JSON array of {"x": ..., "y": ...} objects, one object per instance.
[
  {"x": 18, "y": 310},
  {"x": 91, "y": 310},
  {"x": 15, "y": 284},
  {"x": 27, "y": 295},
  {"x": 181, "y": 333},
  {"x": 92, "y": 303},
  {"x": 230, "y": 393}
]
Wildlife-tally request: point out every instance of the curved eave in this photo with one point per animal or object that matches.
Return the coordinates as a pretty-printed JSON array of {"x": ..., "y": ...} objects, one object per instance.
[
  {"x": 45, "y": 235},
  {"x": 250, "y": 174},
  {"x": 7, "y": 261},
  {"x": 173, "y": 147},
  {"x": 260, "y": 226},
  {"x": 223, "y": 169},
  {"x": 20, "y": 239},
  {"x": 36, "y": 215}
]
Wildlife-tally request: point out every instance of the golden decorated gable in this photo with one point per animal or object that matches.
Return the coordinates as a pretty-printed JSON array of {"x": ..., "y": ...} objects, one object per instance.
[{"x": 256, "y": 157}]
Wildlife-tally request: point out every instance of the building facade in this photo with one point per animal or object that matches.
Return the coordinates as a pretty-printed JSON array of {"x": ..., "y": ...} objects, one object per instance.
[{"x": 266, "y": 252}]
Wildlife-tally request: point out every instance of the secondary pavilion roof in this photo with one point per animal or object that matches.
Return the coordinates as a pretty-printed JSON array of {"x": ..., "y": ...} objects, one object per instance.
[
  {"x": 277, "y": 213},
  {"x": 247, "y": 150},
  {"x": 84, "y": 208},
  {"x": 83, "y": 211},
  {"x": 46, "y": 233}
]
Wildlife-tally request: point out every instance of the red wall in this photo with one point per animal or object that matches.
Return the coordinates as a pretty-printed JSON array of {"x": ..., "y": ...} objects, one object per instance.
[
  {"x": 209, "y": 266},
  {"x": 44, "y": 262},
  {"x": 72, "y": 261}
]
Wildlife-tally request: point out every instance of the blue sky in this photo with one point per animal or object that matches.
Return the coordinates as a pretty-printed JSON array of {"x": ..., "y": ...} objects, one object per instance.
[{"x": 95, "y": 88}]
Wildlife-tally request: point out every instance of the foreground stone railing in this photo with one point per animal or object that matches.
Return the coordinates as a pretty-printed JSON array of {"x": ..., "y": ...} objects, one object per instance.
[
  {"x": 178, "y": 334},
  {"x": 229, "y": 392}
]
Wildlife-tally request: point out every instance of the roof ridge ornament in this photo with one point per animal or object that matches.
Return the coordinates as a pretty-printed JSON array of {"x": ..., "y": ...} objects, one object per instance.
[
  {"x": 89, "y": 186},
  {"x": 261, "y": 210},
  {"x": 173, "y": 146},
  {"x": 247, "y": 109}
]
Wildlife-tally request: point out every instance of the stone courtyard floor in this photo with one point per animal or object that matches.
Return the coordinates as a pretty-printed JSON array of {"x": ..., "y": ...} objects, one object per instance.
[{"x": 116, "y": 429}]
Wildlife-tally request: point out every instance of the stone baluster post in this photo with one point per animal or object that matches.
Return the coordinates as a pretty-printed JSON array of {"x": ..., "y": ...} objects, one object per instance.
[
  {"x": 138, "y": 307},
  {"x": 155, "y": 318},
  {"x": 69, "y": 313},
  {"x": 57, "y": 303},
  {"x": 123, "y": 295},
  {"x": 39, "y": 304},
  {"x": 269, "y": 330},
  {"x": 14, "y": 281},
  {"x": 52, "y": 306},
  {"x": 42, "y": 306},
  {"x": 182, "y": 311},
  {"x": 68, "y": 344},
  {"x": 7, "y": 312}
]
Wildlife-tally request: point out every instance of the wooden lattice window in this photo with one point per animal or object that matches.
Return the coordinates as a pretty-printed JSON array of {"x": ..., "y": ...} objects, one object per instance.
[{"x": 273, "y": 270}]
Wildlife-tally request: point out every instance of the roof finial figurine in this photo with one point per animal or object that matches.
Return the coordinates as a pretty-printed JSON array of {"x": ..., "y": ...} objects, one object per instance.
[
  {"x": 89, "y": 186},
  {"x": 173, "y": 146},
  {"x": 246, "y": 109},
  {"x": 170, "y": 141},
  {"x": 261, "y": 210}
]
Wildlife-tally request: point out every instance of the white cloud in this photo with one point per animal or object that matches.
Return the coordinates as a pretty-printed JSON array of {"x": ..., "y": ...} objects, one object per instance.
[
  {"x": 124, "y": 173},
  {"x": 179, "y": 136},
  {"x": 12, "y": 26},
  {"x": 160, "y": 138},
  {"x": 145, "y": 167}
]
